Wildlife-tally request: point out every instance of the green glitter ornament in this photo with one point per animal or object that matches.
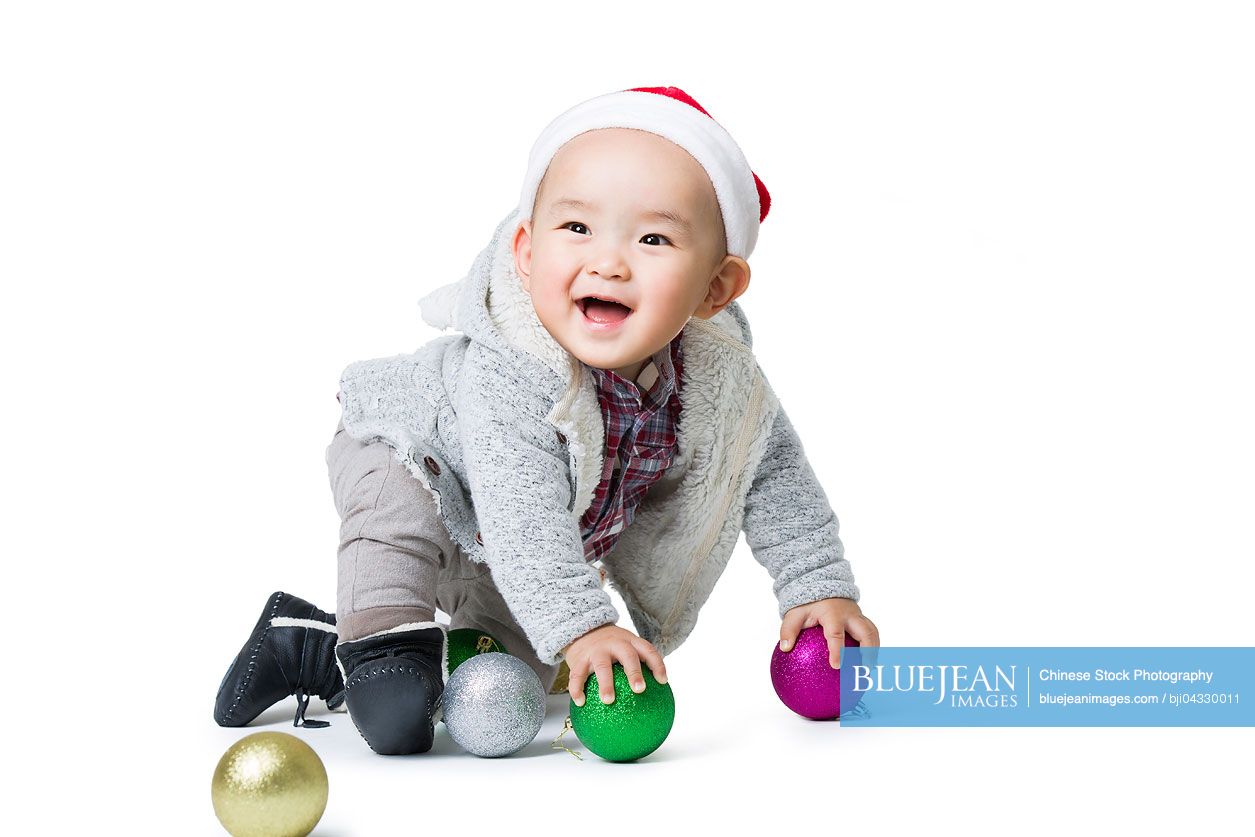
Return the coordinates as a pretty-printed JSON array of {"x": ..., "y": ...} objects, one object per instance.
[
  {"x": 630, "y": 728},
  {"x": 465, "y": 643}
]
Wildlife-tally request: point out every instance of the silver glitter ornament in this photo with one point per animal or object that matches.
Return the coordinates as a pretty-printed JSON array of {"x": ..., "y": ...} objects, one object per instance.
[{"x": 494, "y": 705}]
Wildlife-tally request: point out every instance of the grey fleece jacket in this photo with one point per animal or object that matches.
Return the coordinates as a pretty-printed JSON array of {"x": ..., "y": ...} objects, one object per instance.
[{"x": 502, "y": 426}]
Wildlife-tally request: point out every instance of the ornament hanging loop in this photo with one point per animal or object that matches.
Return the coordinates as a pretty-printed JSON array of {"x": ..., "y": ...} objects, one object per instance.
[{"x": 554, "y": 745}]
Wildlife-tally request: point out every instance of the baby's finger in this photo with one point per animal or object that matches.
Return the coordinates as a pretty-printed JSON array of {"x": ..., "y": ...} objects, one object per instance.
[
  {"x": 862, "y": 629},
  {"x": 790, "y": 627},
  {"x": 575, "y": 681},
  {"x": 651, "y": 656},
  {"x": 632, "y": 668},
  {"x": 834, "y": 632},
  {"x": 603, "y": 666},
  {"x": 868, "y": 636}
]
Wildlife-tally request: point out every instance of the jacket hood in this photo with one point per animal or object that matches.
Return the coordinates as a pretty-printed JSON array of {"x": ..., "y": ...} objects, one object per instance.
[{"x": 490, "y": 305}]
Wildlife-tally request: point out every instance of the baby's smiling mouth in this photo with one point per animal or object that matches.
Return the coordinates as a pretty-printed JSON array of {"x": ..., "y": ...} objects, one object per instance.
[{"x": 603, "y": 311}]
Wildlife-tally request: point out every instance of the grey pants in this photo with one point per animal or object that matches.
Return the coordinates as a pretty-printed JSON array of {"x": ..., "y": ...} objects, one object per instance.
[{"x": 397, "y": 563}]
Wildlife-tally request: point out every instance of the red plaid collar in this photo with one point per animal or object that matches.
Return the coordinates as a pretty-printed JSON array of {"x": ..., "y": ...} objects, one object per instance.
[
  {"x": 640, "y": 444},
  {"x": 625, "y": 393}
]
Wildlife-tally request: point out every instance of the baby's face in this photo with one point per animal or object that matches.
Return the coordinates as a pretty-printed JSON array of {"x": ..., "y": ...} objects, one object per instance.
[{"x": 629, "y": 216}]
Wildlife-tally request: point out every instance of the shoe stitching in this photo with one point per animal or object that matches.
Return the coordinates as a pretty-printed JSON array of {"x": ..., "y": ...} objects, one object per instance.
[{"x": 252, "y": 658}]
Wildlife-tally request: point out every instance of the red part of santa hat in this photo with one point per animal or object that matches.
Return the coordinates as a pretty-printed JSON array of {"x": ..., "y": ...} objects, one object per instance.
[
  {"x": 674, "y": 115},
  {"x": 764, "y": 197}
]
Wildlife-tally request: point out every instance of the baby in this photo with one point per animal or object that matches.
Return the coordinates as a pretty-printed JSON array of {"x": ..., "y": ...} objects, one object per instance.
[{"x": 599, "y": 417}]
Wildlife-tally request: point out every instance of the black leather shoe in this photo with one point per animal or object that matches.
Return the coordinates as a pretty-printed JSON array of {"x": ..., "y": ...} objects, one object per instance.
[
  {"x": 291, "y": 651},
  {"x": 394, "y": 685}
]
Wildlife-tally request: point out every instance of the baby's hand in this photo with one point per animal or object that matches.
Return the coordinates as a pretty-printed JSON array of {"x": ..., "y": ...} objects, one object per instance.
[
  {"x": 598, "y": 650},
  {"x": 837, "y": 616}
]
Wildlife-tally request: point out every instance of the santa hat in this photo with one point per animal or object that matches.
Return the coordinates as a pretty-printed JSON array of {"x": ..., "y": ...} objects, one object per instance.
[{"x": 673, "y": 114}]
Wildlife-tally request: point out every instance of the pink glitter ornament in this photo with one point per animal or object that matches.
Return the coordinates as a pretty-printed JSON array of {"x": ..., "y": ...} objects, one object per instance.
[{"x": 806, "y": 683}]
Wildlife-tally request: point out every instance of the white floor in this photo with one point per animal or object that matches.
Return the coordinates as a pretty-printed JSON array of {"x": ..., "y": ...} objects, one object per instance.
[{"x": 748, "y": 761}]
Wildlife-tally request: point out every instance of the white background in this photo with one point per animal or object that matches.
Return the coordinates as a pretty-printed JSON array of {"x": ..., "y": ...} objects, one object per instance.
[{"x": 1004, "y": 291}]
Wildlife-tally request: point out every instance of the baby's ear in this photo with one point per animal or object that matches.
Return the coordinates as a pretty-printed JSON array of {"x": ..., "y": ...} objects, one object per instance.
[
  {"x": 730, "y": 281},
  {"x": 522, "y": 247}
]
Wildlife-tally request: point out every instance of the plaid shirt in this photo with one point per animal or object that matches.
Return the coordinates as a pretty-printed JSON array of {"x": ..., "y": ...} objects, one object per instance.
[{"x": 640, "y": 443}]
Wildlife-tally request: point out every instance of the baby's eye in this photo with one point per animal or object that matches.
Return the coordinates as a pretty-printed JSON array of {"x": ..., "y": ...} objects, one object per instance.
[
  {"x": 656, "y": 235},
  {"x": 569, "y": 224}
]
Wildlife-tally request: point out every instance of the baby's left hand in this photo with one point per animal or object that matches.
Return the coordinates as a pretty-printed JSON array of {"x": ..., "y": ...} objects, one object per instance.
[{"x": 837, "y": 616}]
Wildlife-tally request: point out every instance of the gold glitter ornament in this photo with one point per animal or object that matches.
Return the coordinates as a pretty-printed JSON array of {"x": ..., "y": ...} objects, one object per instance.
[{"x": 270, "y": 784}]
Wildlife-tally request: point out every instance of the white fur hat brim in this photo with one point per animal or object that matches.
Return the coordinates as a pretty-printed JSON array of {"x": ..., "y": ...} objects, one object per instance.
[{"x": 696, "y": 132}]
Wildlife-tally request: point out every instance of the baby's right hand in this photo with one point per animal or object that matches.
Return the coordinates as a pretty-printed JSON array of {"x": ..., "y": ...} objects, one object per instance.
[{"x": 598, "y": 650}]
